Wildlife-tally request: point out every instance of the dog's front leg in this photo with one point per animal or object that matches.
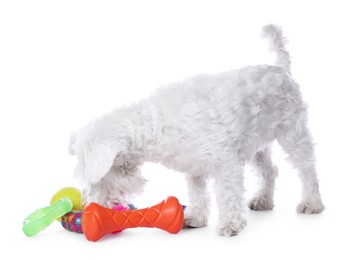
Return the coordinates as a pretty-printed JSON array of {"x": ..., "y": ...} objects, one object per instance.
[
  {"x": 196, "y": 213},
  {"x": 230, "y": 190}
]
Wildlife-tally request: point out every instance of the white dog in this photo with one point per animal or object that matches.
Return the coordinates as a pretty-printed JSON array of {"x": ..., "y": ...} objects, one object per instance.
[{"x": 207, "y": 126}]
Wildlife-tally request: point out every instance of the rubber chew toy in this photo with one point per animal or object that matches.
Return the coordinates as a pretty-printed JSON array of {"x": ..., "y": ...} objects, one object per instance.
[
  {"x": 41, "y": 218},
  {"x": 98, "y": 221}
]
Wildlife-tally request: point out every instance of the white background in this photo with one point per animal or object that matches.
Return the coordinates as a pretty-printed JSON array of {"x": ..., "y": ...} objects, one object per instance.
[{"x": 63, "y": 63}]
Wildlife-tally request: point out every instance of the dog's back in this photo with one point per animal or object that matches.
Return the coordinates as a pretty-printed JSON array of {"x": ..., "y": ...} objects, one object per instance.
[{"x": 242, "y": 108}]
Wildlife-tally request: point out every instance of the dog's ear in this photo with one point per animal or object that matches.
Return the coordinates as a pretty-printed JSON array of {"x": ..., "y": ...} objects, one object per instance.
[
  {"x": 72, "y": 141},
  {"x": 99, "y": 158}
]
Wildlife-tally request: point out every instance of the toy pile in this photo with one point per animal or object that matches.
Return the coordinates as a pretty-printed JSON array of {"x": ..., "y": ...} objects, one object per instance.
[{"x": 95, "y": 221}]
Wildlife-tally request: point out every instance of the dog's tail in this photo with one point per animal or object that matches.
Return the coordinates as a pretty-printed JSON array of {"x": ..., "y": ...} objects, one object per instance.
[{"x": 277, "y": 41}]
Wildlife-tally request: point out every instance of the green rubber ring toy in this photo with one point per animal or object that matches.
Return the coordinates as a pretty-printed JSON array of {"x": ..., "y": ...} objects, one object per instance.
[{"x": 41, "y": 218}]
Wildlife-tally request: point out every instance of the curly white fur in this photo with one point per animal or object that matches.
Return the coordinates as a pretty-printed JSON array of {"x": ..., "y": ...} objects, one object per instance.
[{"x": 207, "y": 126}]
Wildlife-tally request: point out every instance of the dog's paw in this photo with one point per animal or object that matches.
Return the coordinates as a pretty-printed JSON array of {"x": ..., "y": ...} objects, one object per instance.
[
  {"x": 310, "y": 207},
  {"x": 231, "y": 229},
  {"x": 261, "y": 203},
  {"x": 195, "y": 218}
]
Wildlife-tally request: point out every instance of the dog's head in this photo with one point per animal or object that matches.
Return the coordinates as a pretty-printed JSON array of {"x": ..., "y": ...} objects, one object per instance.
[
  {"x": 108, "y": 172},
  {"x": 95, "y": 156}
]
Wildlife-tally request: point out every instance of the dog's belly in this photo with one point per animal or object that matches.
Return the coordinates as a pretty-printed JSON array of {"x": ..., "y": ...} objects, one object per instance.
[
  {"x": 206, "y": 157},
  {"x": 189, "y": 164}
]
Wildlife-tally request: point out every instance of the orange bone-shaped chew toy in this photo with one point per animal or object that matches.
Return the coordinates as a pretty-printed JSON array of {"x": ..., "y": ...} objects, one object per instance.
[{"x": 98, "y": 221}]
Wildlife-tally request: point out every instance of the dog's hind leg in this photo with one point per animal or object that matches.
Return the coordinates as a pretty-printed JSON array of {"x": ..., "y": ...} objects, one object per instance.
[
  {"x": 296, "y": 141},
  {"x": 267, "y": 172},
  {"x": 196, "y": 213}
]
